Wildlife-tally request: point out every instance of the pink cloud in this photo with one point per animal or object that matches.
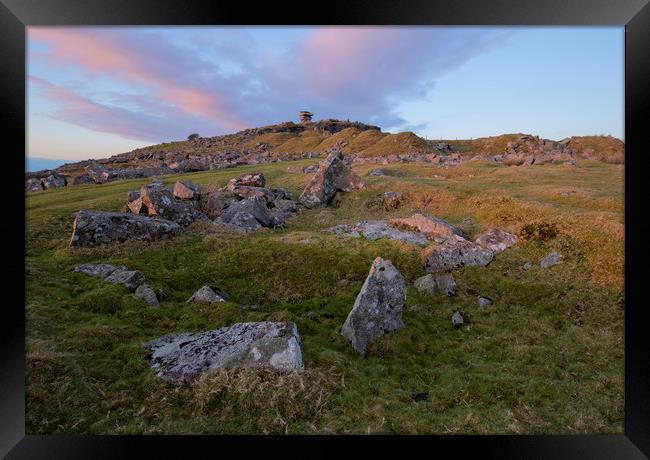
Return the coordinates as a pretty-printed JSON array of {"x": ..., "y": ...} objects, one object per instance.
[{"x": 101, "y": 53}]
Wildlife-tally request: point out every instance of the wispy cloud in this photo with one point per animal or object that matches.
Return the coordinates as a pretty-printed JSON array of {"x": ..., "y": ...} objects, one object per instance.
[{"x": 222, "y": 80}]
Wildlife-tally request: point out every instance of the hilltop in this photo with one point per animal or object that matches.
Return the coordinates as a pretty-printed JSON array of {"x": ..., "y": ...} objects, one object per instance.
[{"x": 359, "y": 142}]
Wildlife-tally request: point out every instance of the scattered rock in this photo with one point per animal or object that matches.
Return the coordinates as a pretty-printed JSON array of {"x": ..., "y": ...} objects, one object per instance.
[
  {"x": 91, "y": 228},
  {"x": 375, "y": 229},
  {"x": 129, "y": 278},
  {"x": 213, "y": 204},
  {"x": 456, "y": 252},
  {"x": 282, "y": 194},
  {"x": 310, "y": 169},
  {"x": 208, "y": 294},
  {"x": 496, "y": 240},
  {"x": 249, "y": 214},
  {"x": 527, "y": 266},
  {"x": 333, "y": 175},
  {"x": 384, "y": 172},
  {"x": 183, "y": 358},
  {"x": 378, "y": 307},
  {"x": 160, "y": 202},
  {"x": 98, "y": 270},
  {"x": 483, "y": 302},
  {"x": 443, "y": 283},
  {"x": 432, "y": 227},
  {"x": 185, "y": 190},
  {"x": 54, "y": 182},
  {"x": 255, "y": 179},
  {"x": 247, "y": 191},
  {"x": 392, "y": 200},
  {"x": 82, "y": 179},
  {"x": 553, "y": 258},
  {"x": 145, "y": 292},
  {"x": 33, "y": 185},
  {"x": 457, "y": 320}
]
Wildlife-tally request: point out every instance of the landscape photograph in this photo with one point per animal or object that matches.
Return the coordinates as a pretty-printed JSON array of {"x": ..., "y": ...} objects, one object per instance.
[{"x": 324, "y": 230}]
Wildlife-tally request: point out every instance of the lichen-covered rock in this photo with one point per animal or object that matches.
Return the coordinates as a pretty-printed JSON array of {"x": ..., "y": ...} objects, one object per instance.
[
  {"x": 33, "y": 185},
  {"x": 145, "y": 292},
  {"x": 443, "y": 283},
  {"x": 214, "y": 203},
  {"x": 456, "y": 252},
  {"x": 483, "y": 302},
  {"x": 183, "y": 358},
  {"x": 98, "y": 270},
  {"x": 255, "y": 179},
  {"x": 378, "y": 307},
  {"x": 160, "y": 202},
  {"x": 496, "y": 240},
  {"x": 376, "y": 229},
  {"x": 248, "y": 191},
  {"x": 54, "y": 181},
  {"x": 92, "y": 228},
  {"x": 457, "y": 320},
  {"x": 208, "y": 294},
  {"x": 82, "y": 179},
  {"x": 333, "y": 175},
  {"x": 185, "y": 190},
  {"x": 250, "y": 214},
  {"x": 553, "y": 258},
  {"x": 282, "y": 194},
  {"x": 131, "y": 279},
  {"x": 432, "y": 227}
]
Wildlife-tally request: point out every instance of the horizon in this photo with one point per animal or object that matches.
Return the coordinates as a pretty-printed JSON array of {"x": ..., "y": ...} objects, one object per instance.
[{"x": 94, "y": 92}]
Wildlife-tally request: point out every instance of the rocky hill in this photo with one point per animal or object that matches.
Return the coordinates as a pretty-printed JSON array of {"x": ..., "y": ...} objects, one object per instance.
[{"x": 359, "y": 142}]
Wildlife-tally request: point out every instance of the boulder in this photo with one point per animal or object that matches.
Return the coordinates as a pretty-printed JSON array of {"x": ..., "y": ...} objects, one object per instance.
[
  {"x": 310, "y": 169},
  {"x": 131, "y": 279},
  {"x": 98, "y": 172},
  {"x": 185, "y": 190},
  {"x": 255, "y": 179},
  {"x": 247, "y": 191},
  {"x": 333, "y": 175},
  {"x": 392, "y": 200},
  {"x": 208, "y": 294},
  {"x": 183, "y": 358},
  {"x": 483, "y": 302},
  {"x": 384, "y": 172},
  {"x": 443, "y": 283},
  {"x": 249, "y": 214},
  {"x": 33, "y": 185},
  {"x": 98, "y": 270},
  {"x": 282, "y": 194},
  {"x": 432, "y": 227},
  {"x": 456, "y": 252},
  {"x": 496, "y": 240},
  {"x": 145, "y": 292},
  {"x": 457, "y": 320},
  {"x": 213, "y": 203},
  {"x": 375, "y": 229},
  {"x": 378, "y": 307},
  {"x": 82, "y": 179},
  {"x": 54, "y": 181},
  {"x": 553, "y": 258},
  {"x": 160, "y": 202},
  {"x": 91, "y": 228},
  {"x": 285, "y": 206}
]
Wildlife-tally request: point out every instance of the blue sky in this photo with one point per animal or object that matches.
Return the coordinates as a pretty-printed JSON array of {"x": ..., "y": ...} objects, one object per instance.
[{"x": 95, "y": 92}]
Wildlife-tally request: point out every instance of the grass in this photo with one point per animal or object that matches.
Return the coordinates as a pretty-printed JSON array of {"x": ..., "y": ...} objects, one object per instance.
[{"x": 546, "y": 357}]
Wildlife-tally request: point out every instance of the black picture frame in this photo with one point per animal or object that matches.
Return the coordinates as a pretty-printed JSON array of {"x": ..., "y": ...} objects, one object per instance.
[{"x": 16, "y": 15}]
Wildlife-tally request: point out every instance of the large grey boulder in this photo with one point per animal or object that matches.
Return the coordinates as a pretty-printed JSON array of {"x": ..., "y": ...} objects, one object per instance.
[
  {"x": 333, "y": 175},
  {"x": 457, "y": 320},
  {"x": 33, "y": 185},
  {"x": 160, "y": 202},
  {"x": 496, "y": 240},
  {"x": 214, "y": 203},
  {"x": 378, "y": 307},
  {"x": 456, "y": 252},
  {"x": 54, "y": 181},
  {"x": 248, "y": 191},
  {"x": 248, "y": 214},
  {"x": 98, "y": 172},
  {"x": 208, "y": 294},
  {"x": 98, "y": 270},
  {"x": 443, "y": 283},
  {"x": 92, "y": 228},
  {"x": 185, "y": 190},
  {"x": 255, "y": 179},
  {"x": 183, "y": 358}
]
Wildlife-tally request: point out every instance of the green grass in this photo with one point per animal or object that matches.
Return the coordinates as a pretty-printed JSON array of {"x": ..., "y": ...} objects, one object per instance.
[{"x": 546, "y": 357}]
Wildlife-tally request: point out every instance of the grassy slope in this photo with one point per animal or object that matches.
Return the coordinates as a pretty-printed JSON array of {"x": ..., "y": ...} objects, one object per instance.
[{"x": 546, "y": 357}]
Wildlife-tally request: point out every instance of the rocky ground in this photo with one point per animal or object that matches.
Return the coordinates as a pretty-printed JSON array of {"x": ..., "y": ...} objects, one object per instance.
[
  {"x": 288, "y": 141},
  {"x": 411, "y": 298}
]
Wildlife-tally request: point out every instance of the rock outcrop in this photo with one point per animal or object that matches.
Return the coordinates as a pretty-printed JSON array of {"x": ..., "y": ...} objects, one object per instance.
[
  {"x": 456, "y": 252},
  {"x": 496, "y": 240},
  {"x": 208, "y": 294},
  {"x": 92, "y": 228},
  {"x": 553, "y": 258},
  {"x": 333, "y": 175},
  {"x": 133, "y": 280},
  {"x": 183, "y": 358},
  {"x": 443, "y": 283},
  {"x": 378, "y": 307},
  {"x": 375, "y": 229},
  {"x": 432, "y": 227},
  {"x": 160, "y": 202}
]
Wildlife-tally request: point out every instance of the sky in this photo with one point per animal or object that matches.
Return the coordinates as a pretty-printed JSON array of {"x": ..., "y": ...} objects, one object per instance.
[{"x": 94, "y": 92}]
